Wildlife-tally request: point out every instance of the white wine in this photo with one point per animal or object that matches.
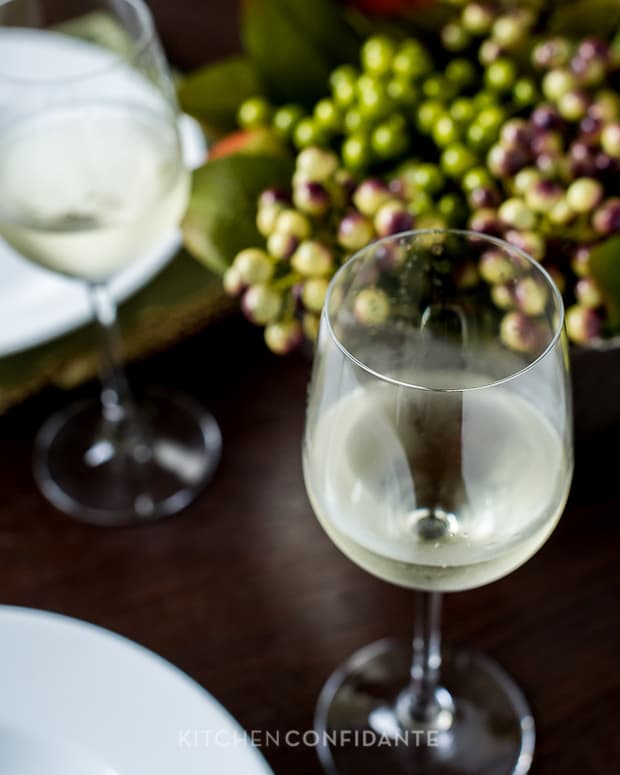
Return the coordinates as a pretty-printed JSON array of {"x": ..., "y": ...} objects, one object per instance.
[
  {"x": 436, "y": 490},
  {"x": 86, "y": 189}
]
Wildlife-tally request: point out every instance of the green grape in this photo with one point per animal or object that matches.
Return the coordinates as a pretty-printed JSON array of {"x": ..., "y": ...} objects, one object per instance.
[
  {"x": 343, "y": 74},
  {"x": 491, "y": 118},
  {"x": 389, "y": 139},
  {"x": 283, "y": 337},
  {"x": 253, "y": 266},
  {"x": 312, "y": 259},
  {"x": 510, "y": 30},
  {"x": 344, "y": 93},
  {"x": 438, "y": 87},
  {"x": 525, "y": 92},
  {"x": 558, "y": 82},
  {"x": 463, "y": 111},
  {"x": 293, "y": 222},
  {"x": 526, "y": 179},
  {"x": 411, "y": 61},
  {"x": 452, "y": 208},
  {"x": 461, "y": 72},
  {"x": 431, "y": 221},
  {"x": 483, "y": 99},
  {"x": 420, "y": 203},
  {"x": 479, "y": 138},
  {"x": 286, "y": 118},
  {"x": 454, "y": 37},
  {"x": 489, "y": 51},
  {"x": 261, "y": 304},
  {"x": 327, "y": 116},
  {"x": 356, "y": 151},
  {"x": 427, "y": 177},
  {"x": 445, "y": 131},
  {"x": 500, "y": 75},
  {"x": 373, "y": 101},
  {"x": 310, "y": 324},
  {"x": 314, "y": 292},
  {"x": 307, "y": 132},
  {"x": 377, "y": 55},
  {"x": 353, "y": 120},
  {"x": 402, "y": 91},
  {"x": 316, "y": 164},
  {"x": 457, "y": 159},
  {"x": 372, "y": 306},
  {"x": 267, "y": 216},
  {"x": 476, "y": 137},
  {"x": 477, "y": 18},
  {"x": 254, "y": 112},
  {"x": 477, "y": 177},
  {"x": 427, "y": 115}
]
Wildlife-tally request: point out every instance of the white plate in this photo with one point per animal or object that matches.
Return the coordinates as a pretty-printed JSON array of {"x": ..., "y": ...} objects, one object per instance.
[
  {"x": 37, "y": 305},
  {"x": 79, "y": 700}
]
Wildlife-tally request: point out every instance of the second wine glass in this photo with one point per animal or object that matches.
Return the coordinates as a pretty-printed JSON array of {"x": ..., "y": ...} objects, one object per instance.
[
  {"x": 91, "y": 176},
  {"x": 437, "y": 456}
]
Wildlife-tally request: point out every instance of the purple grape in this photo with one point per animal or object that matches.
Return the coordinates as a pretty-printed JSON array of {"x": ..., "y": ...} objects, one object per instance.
[
  {"x": 311, "y": 197},
  {"x": 606, "y": 219},
  {"x": 520, "y": 333},
  {"x": 546, "y": 117},
  {"x": 370, "y": 195},
  {"x": 272, "y": 196},
  {"x": 588, "y": 293},
  {"x": 505, "y": 162},
  {"x": 516, "y": 132},
  {"x": 355, "y": 231},
  {"x": 553, "y": 52},
  {"x": 529, "y": 242},
  {"x": 582, "y": 324},
  {"x": 484, "y": 197},
  {"x": 392, "y": 218},
  {"x": 486, "y": 221},
  {"x": 284, "y": 337},
  {"x": 593, "y": 48},
  {"x": 547, "y": 141}
]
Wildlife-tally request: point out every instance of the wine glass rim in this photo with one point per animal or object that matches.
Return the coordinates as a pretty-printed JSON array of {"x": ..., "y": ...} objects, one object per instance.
[
  {"x": 144, "y": 40},
  {"x": 507, "y": 247}
]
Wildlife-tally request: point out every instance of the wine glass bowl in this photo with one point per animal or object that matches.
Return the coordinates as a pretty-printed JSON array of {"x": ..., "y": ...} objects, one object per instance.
[
  {"x": 91, "y": 167},
  {"x": 92, "y": 175},
  {"x": 437, "y": 456}
]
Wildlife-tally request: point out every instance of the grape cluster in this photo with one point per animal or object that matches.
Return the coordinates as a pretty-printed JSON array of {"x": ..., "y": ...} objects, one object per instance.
[
  {"x": 558, "y": 170},
  {"x": 308, "y": 233},
  {"x": 508, "y": 138}
]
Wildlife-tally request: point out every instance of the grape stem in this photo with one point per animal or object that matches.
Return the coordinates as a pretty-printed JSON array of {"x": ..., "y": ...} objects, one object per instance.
[{"x": 286, "y": 282}]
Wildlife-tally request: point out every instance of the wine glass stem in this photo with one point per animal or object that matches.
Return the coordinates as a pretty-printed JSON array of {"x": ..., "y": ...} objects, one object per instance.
[
  {"x": 425, "y": 701},
  {"x": 117, "y": 402}
]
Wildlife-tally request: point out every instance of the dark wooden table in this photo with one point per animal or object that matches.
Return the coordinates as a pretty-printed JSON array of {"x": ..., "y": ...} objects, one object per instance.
[{"x": 245, "y": 593}]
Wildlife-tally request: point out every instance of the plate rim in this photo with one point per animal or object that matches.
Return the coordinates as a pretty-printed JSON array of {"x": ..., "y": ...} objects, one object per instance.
[{"x": 40, "y": 616}]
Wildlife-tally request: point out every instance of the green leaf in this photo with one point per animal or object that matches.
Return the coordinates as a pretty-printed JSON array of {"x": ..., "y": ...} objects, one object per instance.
[
  {"x": 221, "y": 217},
  {"x": 605, "y": 268},
  {"x": 585, "y": 17},
  {"x": 213, "y": 93},
  {"x": 296, "y": 44}
]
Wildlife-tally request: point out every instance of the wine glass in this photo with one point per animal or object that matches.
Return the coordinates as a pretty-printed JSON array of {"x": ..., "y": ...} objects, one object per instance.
[
  {"x": 91, "y": 176},
  {"x": 438, "y": 456}
]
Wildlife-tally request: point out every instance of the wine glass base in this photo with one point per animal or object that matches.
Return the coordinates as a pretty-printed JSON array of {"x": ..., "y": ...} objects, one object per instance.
[
  {"x": 358, "y": 731},
  {"x": 103, "y": 481}
]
